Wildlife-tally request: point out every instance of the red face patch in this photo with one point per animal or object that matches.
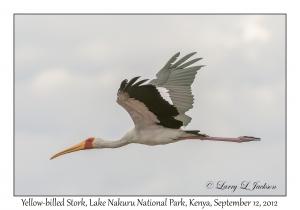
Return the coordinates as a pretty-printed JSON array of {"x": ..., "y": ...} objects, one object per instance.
[{"x": 89, "y": 143}]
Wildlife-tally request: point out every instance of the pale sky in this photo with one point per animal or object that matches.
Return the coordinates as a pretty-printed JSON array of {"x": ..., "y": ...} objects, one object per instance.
[{"x": 68, "y": 69}]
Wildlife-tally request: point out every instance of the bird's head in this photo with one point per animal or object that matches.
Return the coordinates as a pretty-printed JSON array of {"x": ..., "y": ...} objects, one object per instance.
[{"x": 86, "y": 144}]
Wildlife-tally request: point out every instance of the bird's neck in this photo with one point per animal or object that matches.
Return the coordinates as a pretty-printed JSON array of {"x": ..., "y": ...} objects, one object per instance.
[{"x": 114, "y": 143}]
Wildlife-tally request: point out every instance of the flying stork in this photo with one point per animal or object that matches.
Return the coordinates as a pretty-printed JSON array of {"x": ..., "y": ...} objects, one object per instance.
[{"x": 158, "y": 118}]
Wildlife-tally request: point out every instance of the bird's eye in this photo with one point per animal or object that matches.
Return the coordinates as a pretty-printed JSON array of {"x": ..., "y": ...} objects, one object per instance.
[{"x": 89, "y": 140}]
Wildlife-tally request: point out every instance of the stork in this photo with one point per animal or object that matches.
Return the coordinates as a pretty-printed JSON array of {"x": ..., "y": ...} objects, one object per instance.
[{"x": 157, "y": 109}]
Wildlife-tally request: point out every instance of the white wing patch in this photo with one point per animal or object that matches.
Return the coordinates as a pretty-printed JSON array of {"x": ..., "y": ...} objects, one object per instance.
[{"x": 164, "y": 93}]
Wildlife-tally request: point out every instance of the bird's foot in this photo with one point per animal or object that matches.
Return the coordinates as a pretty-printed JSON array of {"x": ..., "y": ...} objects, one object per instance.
[{"x": 247, "y": 138}]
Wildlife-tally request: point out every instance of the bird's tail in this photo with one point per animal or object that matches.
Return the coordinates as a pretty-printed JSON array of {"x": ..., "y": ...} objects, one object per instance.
[{"x": 196, "y": 132}]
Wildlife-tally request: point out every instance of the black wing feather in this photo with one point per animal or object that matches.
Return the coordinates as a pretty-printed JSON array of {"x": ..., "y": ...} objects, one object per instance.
[
  {"x": 123, "y": 84},
  {"x": 130, "y": 83}
]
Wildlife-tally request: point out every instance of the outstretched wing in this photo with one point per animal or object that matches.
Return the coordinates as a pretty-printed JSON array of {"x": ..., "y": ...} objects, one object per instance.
[
  {"x": 177, "y": 78},
  {"x": 146, "y": 106}
]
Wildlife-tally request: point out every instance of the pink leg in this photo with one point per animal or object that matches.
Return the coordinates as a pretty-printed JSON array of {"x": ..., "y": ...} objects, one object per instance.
[{"x": 239, "y": 139}]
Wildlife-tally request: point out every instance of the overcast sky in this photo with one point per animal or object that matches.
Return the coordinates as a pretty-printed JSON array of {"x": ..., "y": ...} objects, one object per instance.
[{"x": 68, "y": 70}]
